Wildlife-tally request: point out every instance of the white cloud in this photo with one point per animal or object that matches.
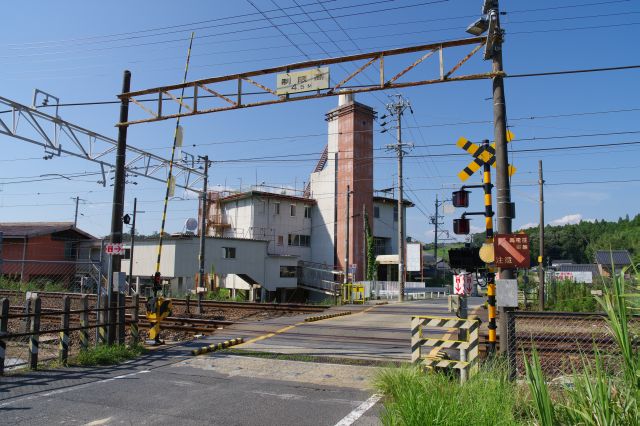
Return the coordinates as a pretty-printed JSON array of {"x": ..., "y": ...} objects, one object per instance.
[
  {"x": 528, "y": 225},
  {"x": 568, "y": 219}
]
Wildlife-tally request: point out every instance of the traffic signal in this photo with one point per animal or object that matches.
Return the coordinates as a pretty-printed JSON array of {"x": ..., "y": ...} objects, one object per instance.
[
  {"x": 461, "y": 226},
  {"x": 460, "y": 198},
  {"x": 126, "y": 219}
]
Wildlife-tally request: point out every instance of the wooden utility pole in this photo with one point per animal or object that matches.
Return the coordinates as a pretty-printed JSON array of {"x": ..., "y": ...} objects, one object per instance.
[{"x": 541, "y": 236}]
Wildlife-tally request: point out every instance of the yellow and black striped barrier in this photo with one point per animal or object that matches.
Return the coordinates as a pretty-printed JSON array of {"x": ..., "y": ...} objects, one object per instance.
[
  {"x": 437, "y": 358},
  {"x": 327, "y": 316},
  {"x": 217, "y": 346}
]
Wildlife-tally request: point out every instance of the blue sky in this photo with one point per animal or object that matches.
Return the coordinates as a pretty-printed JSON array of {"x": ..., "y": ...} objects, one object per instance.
[{"x": 77, "y": 51}]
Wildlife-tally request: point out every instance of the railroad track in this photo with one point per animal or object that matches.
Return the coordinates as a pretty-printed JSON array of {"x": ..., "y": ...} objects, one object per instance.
[{"x": 206, "y": 304}]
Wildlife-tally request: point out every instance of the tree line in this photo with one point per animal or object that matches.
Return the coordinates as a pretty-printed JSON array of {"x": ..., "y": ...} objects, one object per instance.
[{"x": 580, "y": 241}]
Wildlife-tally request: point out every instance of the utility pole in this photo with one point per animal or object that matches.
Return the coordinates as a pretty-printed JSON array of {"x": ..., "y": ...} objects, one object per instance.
[
  {"x": 503, "y": 191},
  {"x": 435, "y": 220},
  {"x": 435, "y": 237},
  {"x": 75, "y": 218},
  {"x": 396, "y": 109},
  {"x": 541, "y": 236},
  {"x": 203, "y": 230},
  {"x": 118, "y": 204},
  {"x": 365, "y": 244},
  {"x": 346, "y": 237},
  {"x": 133, "y": 239}
]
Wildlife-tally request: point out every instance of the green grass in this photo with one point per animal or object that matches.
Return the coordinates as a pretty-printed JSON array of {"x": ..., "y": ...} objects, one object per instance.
[
  {"x": 435, "y": 398},
  {"x": 108, "y": 355},
  {"x": 34, "y": 285},
  {"x": 598, "y": 396}
]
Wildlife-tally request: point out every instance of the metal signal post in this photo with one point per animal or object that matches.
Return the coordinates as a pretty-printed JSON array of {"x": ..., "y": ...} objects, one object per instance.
[{"x": 491, "y": 276}]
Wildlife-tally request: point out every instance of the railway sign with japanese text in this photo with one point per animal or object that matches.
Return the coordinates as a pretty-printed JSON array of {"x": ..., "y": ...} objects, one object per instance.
[
  {"x": 114, "y": 249},
  {"x": 512, "y": 251},
  {"x": 462, "y": 284},
  {"x": 303, "y": 81}
]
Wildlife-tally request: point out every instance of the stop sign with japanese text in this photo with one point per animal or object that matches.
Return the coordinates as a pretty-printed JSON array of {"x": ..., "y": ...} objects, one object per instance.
[{"x": 512, "y": 251}]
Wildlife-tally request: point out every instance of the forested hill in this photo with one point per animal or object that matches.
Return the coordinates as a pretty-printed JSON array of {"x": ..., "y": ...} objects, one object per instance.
[{"x": 579, "y": 242}]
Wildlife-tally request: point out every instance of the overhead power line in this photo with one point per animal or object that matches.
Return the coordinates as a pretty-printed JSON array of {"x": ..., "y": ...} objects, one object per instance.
[{"x": 578, "y": 71}]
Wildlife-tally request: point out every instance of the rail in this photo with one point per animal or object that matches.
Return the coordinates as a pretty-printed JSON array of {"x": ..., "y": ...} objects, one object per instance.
[{"x": 292, "y": 307}]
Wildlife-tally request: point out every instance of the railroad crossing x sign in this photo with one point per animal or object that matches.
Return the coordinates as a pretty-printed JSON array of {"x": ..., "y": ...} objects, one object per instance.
[{"x": 482, "y": 154}]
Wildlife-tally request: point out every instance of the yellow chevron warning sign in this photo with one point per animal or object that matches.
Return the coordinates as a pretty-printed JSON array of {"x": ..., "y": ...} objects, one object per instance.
[{"x": 482, "y": 155}]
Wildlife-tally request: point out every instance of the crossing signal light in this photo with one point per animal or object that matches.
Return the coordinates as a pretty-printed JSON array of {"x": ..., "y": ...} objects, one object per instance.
[
  {"x": 460, "y": 198},
  {"x": 461, "y": 226}
]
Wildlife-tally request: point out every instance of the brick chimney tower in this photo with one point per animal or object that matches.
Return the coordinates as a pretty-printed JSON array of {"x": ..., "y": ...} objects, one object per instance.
[{"x": 352, "y": 123}]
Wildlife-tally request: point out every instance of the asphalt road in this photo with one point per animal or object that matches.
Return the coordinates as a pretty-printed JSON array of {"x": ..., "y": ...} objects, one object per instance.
[
  {"x": 169, "y": 387},
  {"x": 172, "y": 387}
]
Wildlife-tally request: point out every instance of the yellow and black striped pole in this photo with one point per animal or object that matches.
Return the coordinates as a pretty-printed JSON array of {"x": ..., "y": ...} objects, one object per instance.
[
  {"x": 491, "y": 282},
  {"x": 173, "y": 153}
]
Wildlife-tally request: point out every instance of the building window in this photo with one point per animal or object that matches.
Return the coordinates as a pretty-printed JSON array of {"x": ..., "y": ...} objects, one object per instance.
[
  {"x": 307, "y": 212},
  {"x": 296, "y": 240},
  {"x": 376, "y": 211},
  {"x": 380, "y": 245},
  {"x": 70, "y": 251},
  {"x": 288, "y": 272},
  {"x": 280, "y": 240},
  {"x": 395, "y": 213},
  {"x": 261, "y": 206},
  {"x": 229, "y": 252},
  {"x": 292, "y": 210},
  {"x": 276, "y": 208}
]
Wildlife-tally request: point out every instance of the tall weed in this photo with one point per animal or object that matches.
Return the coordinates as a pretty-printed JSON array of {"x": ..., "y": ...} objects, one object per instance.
[{"x": 436, "y": 398}]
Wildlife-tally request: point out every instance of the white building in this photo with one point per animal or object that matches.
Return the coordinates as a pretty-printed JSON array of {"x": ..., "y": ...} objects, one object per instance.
[
  {"x": 312, "y": 227},
  {"x": 233, "y": 263}
]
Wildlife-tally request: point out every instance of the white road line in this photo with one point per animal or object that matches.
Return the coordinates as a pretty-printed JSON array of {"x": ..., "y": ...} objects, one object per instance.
[
  {"x": 71, "y": 388},
  {"x": 350, "y": 418}
]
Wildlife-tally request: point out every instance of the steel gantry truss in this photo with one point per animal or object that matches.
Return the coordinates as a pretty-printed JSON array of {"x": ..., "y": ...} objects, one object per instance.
[
  {"x": 59, "y": 137},
  {"x": 226, "y": 93}
]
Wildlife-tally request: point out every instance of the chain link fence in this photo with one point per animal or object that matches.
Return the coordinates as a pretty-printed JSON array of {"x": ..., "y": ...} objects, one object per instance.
[
  {"x": 82, "y": 276},
  {"x": 564, "y": 341}
]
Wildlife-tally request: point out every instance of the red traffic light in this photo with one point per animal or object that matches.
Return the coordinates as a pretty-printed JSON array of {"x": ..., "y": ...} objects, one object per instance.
[
  {"x": 460, "y": 198},
  {"x": 461, "y": 226}
]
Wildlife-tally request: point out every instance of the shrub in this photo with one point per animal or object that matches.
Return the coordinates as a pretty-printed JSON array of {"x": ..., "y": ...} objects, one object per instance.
[
  {"x": 108, "y": 355},
  {"x": 437, "y": 398}
]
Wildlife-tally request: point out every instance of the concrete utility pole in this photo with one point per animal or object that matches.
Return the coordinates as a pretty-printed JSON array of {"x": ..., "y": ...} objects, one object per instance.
[
  {"x": 365, "y": 244},
  {"x": 75, "y": 217},
  {"x": 203, "y": 230},
  {"x": 118, "y": 204},
  {"x": 541, "y": 235},
  {"x": 435, "y": 237},
  {"x": 346, "y": 236},
  {"x": 503, "y": 190},
  {"x": 396, "y": 109}
]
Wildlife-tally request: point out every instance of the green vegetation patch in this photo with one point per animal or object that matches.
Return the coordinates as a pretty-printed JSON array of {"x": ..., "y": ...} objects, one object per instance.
[
  {"x": 108, "y": 355},
  {"x": 413, "y": 397}
]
